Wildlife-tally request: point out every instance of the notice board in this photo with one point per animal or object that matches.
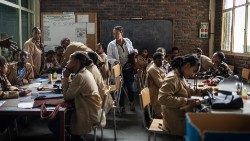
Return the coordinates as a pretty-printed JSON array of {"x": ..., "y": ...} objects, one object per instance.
[
  {"x": 79, "y": 27},
  {"x": 149, "y": 34}
]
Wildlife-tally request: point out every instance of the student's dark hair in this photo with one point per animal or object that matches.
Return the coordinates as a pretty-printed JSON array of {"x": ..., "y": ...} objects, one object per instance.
[
  {"x": 50, "y": 52},
  {"x": 180, "y": 61},
  {"x": 175, "y": 48},
  {"x": 161, "y": 49},
  {"x": 197, "y": 50},
  {"x": 23, "y": 52},
  {"x": 65, "y": 39},
  {"x": 35, "y": 29},
  {"x": 3, "y": 61},
  {"x": 82, "y": 57},
  {"x": 119, "y": 28},
  {"x": 58, "y": 47},
  {"x": 142, "y": 49},
  {"x": 157, "y": 55},
  {"x": 221, "y": 55},
  {"x": 93, "y": 56}
]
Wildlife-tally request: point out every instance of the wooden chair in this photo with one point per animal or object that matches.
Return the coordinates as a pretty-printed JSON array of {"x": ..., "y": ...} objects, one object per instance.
[
  {"x": 245, "y": 74},
  {"x": 231, "y": 67},
  {"x": 99, "y": 124},
  {"x": 155, "y": 124}
]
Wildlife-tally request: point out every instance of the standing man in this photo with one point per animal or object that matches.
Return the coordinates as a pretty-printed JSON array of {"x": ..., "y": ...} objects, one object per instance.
[
  {"x": 121, "y": 50},
  {"x": 35, "y": 49}
]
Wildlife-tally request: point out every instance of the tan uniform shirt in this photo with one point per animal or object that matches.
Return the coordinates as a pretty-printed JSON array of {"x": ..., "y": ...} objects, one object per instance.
[
  {"x": 6, "y": 91},
  {"x": 101, "y": 85},
  {"x": 12, "y": 73},
  {"x": 155, "y": 77},
  {"x": 84, "y": 91},
  {"x": 35, "y": 55},
  {"x": 206, "y": 63},
  {"x": 172, "y": 96},
  {"x": 71, "y": 48}
]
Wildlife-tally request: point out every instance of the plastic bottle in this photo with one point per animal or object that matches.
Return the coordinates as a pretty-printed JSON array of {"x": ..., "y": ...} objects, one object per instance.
[
  {"x": 244, "y": 93},
  {"x": 54, "y": 75}
]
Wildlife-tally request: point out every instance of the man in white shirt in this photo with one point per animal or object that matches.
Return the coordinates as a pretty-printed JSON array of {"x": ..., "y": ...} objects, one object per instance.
[{"x": 118, "y": 51}]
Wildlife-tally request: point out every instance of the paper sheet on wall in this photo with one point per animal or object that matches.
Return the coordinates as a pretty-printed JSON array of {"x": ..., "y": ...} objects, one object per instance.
[
  {"x": 82, "y": 18},
  {"x": 90, "y": 28},
  {"x": 80, "y": 32}
]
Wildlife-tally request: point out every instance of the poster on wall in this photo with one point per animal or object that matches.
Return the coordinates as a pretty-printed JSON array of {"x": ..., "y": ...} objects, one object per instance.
[{"x": 203, "y": 30}]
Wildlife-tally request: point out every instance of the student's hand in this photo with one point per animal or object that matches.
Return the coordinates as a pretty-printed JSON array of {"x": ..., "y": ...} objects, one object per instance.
[
  {"x": 66, "y": 72},
  {"x": 193, "y": 102},
  {"x": 7, "y": 43},
  {"x": 24, "y": 92}
]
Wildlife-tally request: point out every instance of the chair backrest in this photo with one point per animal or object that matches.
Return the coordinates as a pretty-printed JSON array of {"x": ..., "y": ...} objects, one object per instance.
[
  {"x": 231, "y": 67},
  {"x": 116, "y": 70},
  {"x": 245, "y": 74},
  {"x": 144, "y": 97}
]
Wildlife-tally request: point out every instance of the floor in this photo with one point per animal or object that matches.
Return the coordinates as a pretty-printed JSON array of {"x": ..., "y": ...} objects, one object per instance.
[{"x": 129, "y": 127}]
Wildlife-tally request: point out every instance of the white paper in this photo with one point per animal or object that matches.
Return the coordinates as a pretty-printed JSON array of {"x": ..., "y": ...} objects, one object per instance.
[
  {"x": 25, "y": 105},
  {"x": 90, "y": 28},
  {"x": 82, "y": 18},
  {"x": 2, "y": 102},
  {"x": 33, "y": 85}
]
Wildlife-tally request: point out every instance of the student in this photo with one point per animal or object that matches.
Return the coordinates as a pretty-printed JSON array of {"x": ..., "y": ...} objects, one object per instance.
[
  {"x": 205, "y": 61},
  {"x": 59, "y": 54},
  {"x": 174, "y": 95},
  {"x": 102, "y": 87},
  {"x": 174, "y": 53},
  {"x": 104, "y": 69},
  {"x": 155, "y": 77},
  {"x": 35, "y": 49},
  {"x": 21, "y": 72},
  {"x": 118, "y": 53},
  {"x": 51, "y": 65},
  {"x": 71, "y": 47},
  {"x": 219, "y": 68},
  {"x": 83, "y": 90},
  {"x": 143, "y": 60}
]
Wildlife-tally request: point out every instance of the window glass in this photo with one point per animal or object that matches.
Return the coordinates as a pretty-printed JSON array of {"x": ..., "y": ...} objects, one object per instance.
[
  {"x": 226, "y": 30},
  {"x": 228, "y": 4},
  {"x": 27, "y": 24},
  {"x": 13, "y": 1},
  {"x": 239, "y": 27},
  {"x": 27, "y": 4},
  {"x": 239, "y": 2},
  {"x": 9, "y": 26}
]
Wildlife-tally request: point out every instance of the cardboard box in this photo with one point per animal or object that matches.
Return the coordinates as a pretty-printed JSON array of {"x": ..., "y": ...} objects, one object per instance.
[{"x": 217, "y": 127}]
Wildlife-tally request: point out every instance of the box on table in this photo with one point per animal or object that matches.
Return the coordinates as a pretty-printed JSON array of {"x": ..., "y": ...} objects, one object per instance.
[{"x": 217, "y": 127}]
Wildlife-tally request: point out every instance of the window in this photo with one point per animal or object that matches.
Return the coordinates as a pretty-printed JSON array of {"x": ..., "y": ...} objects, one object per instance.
[
  {"x": 17, "y": 18},
  {"x": 235, "y": 21}
]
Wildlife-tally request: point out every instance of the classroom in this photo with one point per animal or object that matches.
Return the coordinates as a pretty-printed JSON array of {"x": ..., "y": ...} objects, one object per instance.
[{"x": 121, "y": 70}]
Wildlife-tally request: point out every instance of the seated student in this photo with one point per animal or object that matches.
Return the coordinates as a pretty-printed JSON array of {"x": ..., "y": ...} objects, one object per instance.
[
  {"x": 174, "y": 53},
  {"x": 143, "y": 59},
  {"x": 104, "y": 69},
  {"x": 21, "y": 72},
  {"x": 7, "y": 92},
  {"x": 219, "y": 68},
  {"x": 154, "y": 79},
  {"x": 174, "y": 95},
  {"x": 102, "y": 87},
  {"x": 59, "y": 54},
  {"x": 205, "y": 61},
  {"x": 50, "y": 65},
  {"x": 83, "y": 90}
]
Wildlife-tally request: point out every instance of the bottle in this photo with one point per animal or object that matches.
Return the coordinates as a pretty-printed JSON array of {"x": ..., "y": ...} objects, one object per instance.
[
  {"x": 54, "y": 75},
  {"x": 244, "y": 93},
  {"x": 239, "y": 88}
]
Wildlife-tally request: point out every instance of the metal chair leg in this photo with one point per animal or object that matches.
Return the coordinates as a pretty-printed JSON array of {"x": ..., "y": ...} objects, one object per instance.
[
  {"x": 102, "y": 133},
  {"x": 114, "y": 124},
  {"x": 95, "y": 133}
]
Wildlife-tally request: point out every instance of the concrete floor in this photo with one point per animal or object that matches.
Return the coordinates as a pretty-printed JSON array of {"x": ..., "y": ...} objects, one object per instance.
[{"x": 129, "y": 128}]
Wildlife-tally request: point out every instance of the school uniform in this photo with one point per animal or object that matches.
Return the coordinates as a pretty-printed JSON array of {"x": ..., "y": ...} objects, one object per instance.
[
  {"x": 7, "y": 91},
  {"x": 173, "y": 96}
]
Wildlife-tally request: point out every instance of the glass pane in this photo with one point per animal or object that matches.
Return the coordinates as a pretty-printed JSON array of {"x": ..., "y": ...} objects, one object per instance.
[
  {"x": 27, "y": 4},
  {"x": 228, "y": 4},
  {"x": 9, "y": 24},
  {"x": 248, "y": 32},
  {"x": 27, "y": 25},
  {"x": 226, "y": 31},
  {"x": 13, "y": 1},
  {"x": 239, "y": 27},
  {"x": 239, "y": 2}
]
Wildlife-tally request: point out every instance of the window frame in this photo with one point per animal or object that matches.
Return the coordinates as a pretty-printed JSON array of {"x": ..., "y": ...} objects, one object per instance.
[{"x": 247, "y": 6}]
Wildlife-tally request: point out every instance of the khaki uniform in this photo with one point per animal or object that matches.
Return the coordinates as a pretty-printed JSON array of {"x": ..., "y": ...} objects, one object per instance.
[
  {"x": 7, "y": 90},
  {"x": 155, "y": 77},
  {"x": 172, "y": 96},
  {"x": 35, "y": 55},
  {"x": 71, "y": 48},
  {"x": 12, "y": 73},
  {"x": 221, "y": 70},
  {"x": 105, "y": 67},
  {"x": 84, "y": 91},
  {"x": 206, "y": 63},
  {"x": 101, "y": 85}
]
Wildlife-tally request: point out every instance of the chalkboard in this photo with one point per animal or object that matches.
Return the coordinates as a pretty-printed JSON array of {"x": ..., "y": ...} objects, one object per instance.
[{"x": 149, "y": 34}]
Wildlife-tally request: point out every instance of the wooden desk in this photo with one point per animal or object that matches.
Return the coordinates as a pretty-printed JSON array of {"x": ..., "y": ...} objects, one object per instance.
[{"x": 10, "y": 107}]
